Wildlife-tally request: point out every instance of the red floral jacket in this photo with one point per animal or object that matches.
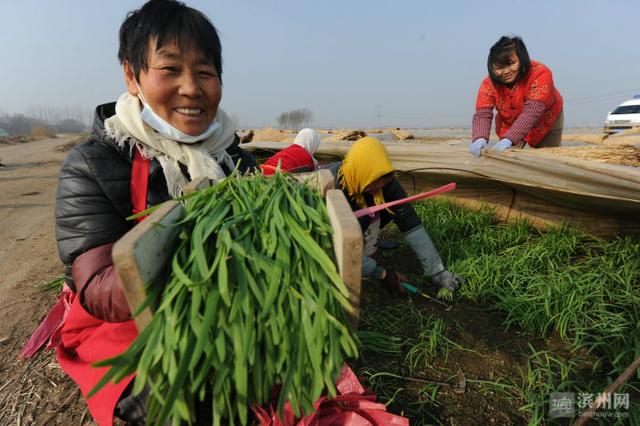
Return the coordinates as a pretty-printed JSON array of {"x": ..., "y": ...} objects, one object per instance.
[{"x": 537, "y": 85}]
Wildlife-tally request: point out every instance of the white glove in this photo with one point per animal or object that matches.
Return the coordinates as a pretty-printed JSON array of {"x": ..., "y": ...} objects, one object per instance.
[
  {"x": 448, "y": 280},
  {"x": 502, "y": 145},
  {"x": 476, "y": 146}
]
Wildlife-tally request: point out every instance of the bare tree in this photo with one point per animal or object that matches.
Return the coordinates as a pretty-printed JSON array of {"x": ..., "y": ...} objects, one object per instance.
[
  {"x": 52, "y": 116},
  {"x": 87, "y": 117},
  {"x": 295, "y": 119},
  {"x": 19, "y": 124},
  {"x": 70, "y": 125},
  {"x": 283, "y": 119},
  {"x": 306, "y": 116},
  {"x": 42, "y": 113}
]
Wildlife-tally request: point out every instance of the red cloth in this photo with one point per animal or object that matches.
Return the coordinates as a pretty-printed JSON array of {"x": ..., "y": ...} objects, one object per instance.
[
  {"x": 51, "y": 326},
  {"x": 86, "y": 340},
  {"x": 352, "y": 407},
  {"x": 80, "y": 340},
  {"x": 139, "y": 184},
  {"x": 293, "y": 158},
  {"x": 536, "y": 85}
]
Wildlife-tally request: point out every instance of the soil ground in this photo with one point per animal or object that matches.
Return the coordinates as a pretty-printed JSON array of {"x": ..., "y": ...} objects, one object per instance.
[
  {"x": 491, "y": 357},
  {"x": 34, "y": 391},
  {"x": 490, "y": 353}
]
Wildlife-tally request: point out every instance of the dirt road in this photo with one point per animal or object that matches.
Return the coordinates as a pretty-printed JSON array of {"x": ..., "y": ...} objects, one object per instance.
[{"x": 32, "y": 391}]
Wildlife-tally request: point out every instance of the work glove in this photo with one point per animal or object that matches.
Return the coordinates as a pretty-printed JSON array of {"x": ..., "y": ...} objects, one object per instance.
[
  {"x": 476, "y": 146},
  {"x": 393, "y": 281},
  {"x": 448, "y": 280},
  {"x": 502, "y": 145}
]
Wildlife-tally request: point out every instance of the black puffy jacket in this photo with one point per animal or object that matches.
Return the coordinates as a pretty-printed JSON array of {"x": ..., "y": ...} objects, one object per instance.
[{"x": 94, "y": 196}]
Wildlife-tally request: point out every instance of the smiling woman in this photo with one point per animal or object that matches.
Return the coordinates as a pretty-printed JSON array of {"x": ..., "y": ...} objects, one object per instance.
[
  {"x": 529, "y": 107},
  {"x": 165, "y": 131},
  {"x": 181, "y": 88}
]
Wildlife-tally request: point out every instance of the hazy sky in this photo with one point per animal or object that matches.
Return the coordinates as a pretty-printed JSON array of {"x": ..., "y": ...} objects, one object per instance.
[{"x": 352, "y": 63}]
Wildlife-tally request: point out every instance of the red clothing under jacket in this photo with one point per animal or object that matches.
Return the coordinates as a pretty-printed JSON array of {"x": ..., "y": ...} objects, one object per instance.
[{"x": 293, "y": 158}]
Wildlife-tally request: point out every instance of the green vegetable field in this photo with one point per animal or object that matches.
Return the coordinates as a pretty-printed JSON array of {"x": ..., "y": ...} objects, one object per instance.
[{"x": 541, "y": 312}]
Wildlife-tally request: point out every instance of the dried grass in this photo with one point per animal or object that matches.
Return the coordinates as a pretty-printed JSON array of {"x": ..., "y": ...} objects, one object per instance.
[
  {"x": 269, "y": 134},
  {"x": 69, "y": 145},
  {"x": 37, "y": 392},
  {"x": 9, "y": 140},
  {"x": 346, "y": 135},
  {"x": 401, "y": 135},
  {"x": 43, "y": 132},
  {"x": 626, "y": 155}
]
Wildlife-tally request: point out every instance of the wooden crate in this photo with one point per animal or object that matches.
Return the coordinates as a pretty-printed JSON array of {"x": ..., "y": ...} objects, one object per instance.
[{"x": 139, "y": 255}]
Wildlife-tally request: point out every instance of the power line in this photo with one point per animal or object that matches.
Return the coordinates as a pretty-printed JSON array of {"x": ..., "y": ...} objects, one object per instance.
[{"x": 604, "y": 95}]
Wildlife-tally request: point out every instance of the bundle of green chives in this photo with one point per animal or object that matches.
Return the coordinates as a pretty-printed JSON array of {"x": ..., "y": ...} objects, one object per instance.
[{"x": 253, "y": 303}]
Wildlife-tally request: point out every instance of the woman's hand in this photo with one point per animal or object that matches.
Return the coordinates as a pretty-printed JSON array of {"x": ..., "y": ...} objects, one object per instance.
[
  {"x": 476, "y": 146},
  {"x": 502, "y": 145}
]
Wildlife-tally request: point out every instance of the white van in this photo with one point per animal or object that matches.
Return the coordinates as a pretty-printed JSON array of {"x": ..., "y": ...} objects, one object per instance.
[{"x": 625, "y": 116}]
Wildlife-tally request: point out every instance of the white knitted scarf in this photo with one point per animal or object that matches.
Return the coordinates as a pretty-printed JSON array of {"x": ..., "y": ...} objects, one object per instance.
[{"x": 201, "y": 159}]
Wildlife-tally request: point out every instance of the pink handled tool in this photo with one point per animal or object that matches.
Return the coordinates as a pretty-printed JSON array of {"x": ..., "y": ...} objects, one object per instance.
[{"x": 371, "y": 210}]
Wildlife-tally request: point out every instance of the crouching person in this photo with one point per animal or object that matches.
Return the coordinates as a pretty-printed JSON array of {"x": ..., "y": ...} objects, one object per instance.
[
  {"x": 165, "y": 131},
  {"x": 297, "y": 157},
  {"x": 366, "y": 176}
]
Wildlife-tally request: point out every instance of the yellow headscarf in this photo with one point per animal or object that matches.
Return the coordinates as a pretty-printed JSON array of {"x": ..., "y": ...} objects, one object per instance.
[{"x": 366, "y": 161}]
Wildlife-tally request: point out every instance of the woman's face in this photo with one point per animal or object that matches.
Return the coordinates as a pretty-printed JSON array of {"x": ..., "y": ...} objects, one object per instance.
[
  {"x": 182, "y": 87},
  {"x": 509, "y": 73}
]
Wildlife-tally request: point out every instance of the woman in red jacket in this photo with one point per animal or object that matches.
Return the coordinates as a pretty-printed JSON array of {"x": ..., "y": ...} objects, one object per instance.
[
  {"x": 529, "y": 107},
  {"x": 297, "y": 157}
]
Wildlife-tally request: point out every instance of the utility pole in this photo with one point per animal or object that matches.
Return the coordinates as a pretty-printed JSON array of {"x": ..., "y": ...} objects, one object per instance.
[{"x": 378, "y": 116}]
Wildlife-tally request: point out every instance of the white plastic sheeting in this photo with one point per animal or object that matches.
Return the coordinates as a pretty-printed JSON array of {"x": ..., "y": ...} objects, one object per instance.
[{"x": 599, "y": 198}]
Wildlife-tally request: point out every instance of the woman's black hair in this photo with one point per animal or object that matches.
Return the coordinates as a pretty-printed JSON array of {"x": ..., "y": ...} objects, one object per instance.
[
  {"x": 500, "y": 55},
  {"x": 167, "y": 21}
]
